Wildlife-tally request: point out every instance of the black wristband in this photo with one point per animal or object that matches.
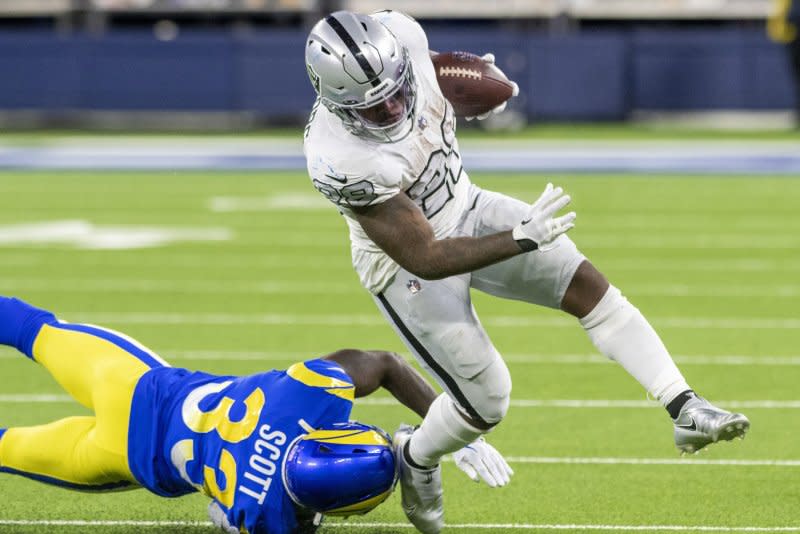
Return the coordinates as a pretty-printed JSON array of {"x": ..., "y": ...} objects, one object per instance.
[{"x": 527, "y": 245}]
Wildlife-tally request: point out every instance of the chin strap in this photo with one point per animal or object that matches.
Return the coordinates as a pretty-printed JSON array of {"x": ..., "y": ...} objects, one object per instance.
[{"x": 308, "y": 524}]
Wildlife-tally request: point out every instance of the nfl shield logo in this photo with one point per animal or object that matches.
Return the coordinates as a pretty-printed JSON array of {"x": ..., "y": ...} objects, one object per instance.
[{"x": 413, "y": 286}]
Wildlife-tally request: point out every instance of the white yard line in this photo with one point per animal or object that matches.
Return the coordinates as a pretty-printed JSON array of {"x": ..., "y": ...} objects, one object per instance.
[
  {"x": 566, "y": 359},
  {"x": 376, "y": 525},
  {"x": 26, "y": 398},
  {"x": 594, "y": 241},
  {"x": 513, "y": 358},
  {"x": 693, "y": 265},
  {"x": 615, "y": 404},
  {"x": 497, "y": 321},
  {"x": 30, "y": 398},
  {"x": 233, "y": 259},
  {"x": 244, "y": 259},
  {"x": 106, "y": 237},
  {"x": 650, "y": 461},
  {"x": 100, "y": 523},
  {"x": 82, "y": 285},
  {"x": 289, "y": 287},
  {"x": 699, "y": 359}
]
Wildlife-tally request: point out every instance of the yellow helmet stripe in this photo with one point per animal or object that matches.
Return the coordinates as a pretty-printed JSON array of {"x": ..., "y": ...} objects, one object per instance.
[
  {"x": 362, "y": 507},
  {"x": 348, "y": 437}
]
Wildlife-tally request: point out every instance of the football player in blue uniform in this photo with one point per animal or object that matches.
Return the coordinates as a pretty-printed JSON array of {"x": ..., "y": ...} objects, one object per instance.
[{"x": 274, "y": 451}]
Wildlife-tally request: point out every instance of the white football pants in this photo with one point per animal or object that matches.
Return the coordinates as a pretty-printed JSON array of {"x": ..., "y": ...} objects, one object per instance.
[{"x": 439, "y": 325}]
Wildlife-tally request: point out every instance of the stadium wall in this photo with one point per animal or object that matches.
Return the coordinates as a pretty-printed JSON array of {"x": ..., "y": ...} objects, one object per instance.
[{"x": 591, "y": 75}]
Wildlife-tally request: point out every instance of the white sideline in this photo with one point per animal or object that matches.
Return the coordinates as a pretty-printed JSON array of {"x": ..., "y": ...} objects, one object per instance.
[
  {"x": 455, "y": 526},
  {"x": 22, "y": 398}
]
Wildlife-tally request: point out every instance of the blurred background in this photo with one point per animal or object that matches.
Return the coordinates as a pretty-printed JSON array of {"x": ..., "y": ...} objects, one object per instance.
[
  {"x": 152, "y": 180},
  {"x": 238, "y": 64}
]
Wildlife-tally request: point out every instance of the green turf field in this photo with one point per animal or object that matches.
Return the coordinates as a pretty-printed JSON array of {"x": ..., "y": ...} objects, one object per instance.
[{"x": 712, "y": 261}]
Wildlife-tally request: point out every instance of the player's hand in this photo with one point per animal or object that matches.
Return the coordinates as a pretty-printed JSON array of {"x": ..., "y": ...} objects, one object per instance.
[
  {"x": 220, "y": 519},
  {"x": 481, "y": 461},
  {"x": 540, "y": 226},
  {"x": 489, "y": 58}
]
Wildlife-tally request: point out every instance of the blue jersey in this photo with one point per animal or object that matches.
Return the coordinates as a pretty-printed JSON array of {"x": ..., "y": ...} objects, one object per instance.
[{"x": 227, "y": 436}]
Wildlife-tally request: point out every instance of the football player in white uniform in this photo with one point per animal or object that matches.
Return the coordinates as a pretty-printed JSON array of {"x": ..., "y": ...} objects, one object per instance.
[{"x": 380, "y": 144}]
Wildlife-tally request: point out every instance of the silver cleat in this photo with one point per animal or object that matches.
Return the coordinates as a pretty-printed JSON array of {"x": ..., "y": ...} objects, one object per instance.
[
  {"x": 421, "y": 490},
  {"x": 700, "y": 423}
]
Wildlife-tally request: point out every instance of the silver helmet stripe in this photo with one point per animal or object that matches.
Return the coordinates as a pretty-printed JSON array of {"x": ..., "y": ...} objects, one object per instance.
[{"x": 354, "y": 49}]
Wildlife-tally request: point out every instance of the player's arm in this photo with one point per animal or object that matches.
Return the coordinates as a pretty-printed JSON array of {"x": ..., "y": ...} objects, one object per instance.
[
  {"x": 370, "y": 370},
  {"x": 400, "y": 228}
]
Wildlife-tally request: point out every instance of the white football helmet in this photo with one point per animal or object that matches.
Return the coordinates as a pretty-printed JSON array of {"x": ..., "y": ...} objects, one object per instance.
[{"x": 363, "y": 75}]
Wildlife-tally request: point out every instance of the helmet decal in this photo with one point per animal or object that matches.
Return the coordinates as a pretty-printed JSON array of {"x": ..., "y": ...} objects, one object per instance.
[{"x": 348, "y": 40}]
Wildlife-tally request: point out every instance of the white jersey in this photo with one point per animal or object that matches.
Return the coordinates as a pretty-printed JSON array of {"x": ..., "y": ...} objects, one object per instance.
[{"x": 426, "y": 165}]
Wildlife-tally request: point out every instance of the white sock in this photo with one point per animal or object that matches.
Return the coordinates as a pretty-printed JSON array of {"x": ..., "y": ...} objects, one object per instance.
[
  {"x": 619, "y": 330},
  {"x": 442, "y": 431}
]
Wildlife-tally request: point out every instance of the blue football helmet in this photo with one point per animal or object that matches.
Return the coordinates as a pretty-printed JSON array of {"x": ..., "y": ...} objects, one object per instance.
[{"x": 344, "y": 469}]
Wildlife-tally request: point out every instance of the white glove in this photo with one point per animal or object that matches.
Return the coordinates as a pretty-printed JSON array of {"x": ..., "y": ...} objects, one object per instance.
[
  {"x": 217, "y": 516},
  {"x": 489, "y": 58},
  {"x": 539, "y": 227},
  {"x": 479, "y": 460}
]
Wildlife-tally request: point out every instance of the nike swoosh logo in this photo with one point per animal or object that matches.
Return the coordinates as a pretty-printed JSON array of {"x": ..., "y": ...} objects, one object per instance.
[
  {"x": 693, "y": 426},
  {"x": 340, "y": 180},
  {"x": 526, "y": 221}
]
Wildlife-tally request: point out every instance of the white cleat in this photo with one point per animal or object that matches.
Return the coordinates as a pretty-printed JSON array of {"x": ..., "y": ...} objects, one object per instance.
[
  {"x": 700, "y": 423},
  {"x": 420, "y": 489}
]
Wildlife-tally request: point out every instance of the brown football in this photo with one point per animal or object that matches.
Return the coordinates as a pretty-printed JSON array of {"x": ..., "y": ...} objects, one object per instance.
[{"x": 472, "y": 85}]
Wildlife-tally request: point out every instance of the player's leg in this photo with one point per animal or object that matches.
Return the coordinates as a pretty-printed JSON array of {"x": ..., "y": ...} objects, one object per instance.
[
  {"x": 436, "y": 321},
  {"x": 80, "y": 357},
  {"x": 560, "y": 277},
  {"x": 620, "y": 331},
  {"x": 19, "y": 324},
  {"x": 65, "y": 453},
  {"x": 100, "y": 369}
]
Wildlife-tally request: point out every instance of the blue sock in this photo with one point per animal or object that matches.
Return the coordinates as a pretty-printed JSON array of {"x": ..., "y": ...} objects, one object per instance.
[
  {"x": 2, "y": 431},
  {"x": 20, "y": 323}
]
